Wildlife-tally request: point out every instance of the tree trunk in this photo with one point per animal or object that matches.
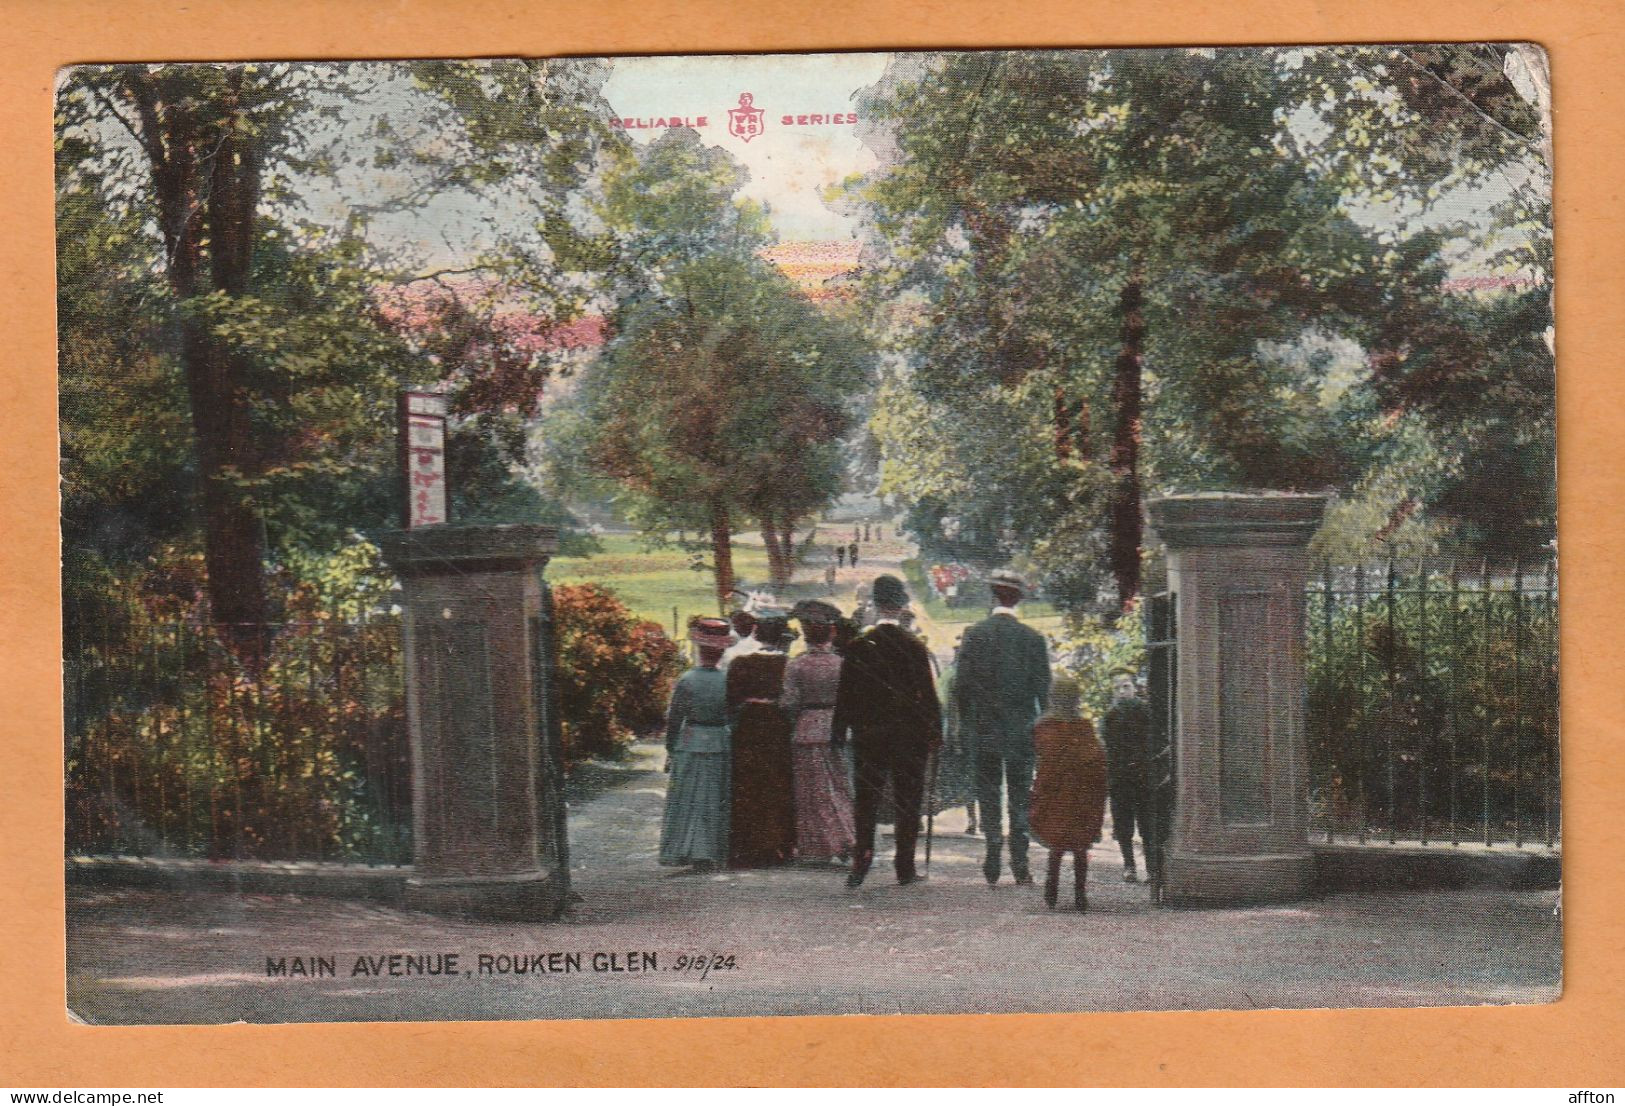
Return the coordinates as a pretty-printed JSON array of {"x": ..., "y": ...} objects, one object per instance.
[
  {"x": 233, "y": 545},
  {"x": 775, "y": 550},
  {"x": 1062, "y": 418},
  {"x": 1124, "y": 542},
  {"x": 783, "y": 567},
  {"x": 722, "y": 554},
  {"x": 209, "y": 238}
]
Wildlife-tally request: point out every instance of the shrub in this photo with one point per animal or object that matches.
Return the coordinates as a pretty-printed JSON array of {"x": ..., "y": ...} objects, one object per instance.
[
  {"x": 176, "y": 748},
  {"x": 614, "y": 671},
  {"x": 1434, "y": 712}
]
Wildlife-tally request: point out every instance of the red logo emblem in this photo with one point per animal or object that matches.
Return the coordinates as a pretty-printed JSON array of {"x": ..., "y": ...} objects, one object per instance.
[{"x": 744, "y": 121}]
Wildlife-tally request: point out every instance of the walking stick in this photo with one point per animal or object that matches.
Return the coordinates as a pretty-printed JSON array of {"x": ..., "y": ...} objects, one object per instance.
[{"x": 930, "y": 810}]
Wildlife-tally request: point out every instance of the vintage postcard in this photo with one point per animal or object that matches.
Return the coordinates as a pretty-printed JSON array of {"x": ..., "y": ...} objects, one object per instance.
[{"x": 958, "y": 532}]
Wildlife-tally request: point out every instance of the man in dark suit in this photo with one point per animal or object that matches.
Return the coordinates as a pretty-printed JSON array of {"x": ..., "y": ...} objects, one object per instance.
[
  {"x": 887, "y": 701},
  {"x": 1001, "y": 687}
]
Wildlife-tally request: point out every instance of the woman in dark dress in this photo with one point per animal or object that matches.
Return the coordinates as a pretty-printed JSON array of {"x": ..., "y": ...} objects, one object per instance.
[{"x": 763, "y": 826}]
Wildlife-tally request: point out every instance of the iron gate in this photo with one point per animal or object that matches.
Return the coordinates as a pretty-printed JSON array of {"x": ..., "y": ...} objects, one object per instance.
[{"x": 1162, "y": 689}]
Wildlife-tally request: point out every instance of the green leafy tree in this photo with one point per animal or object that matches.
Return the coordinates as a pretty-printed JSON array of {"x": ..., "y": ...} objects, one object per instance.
[
  {"x": 1132, "y": 263},
  {"x": 731, "y": 400},
  {"x": 1072, "y": 217},
  {"x": 202, "y": 135},
  {"x": 722, "y": 393},
  {"x": 271, "y": 321}
]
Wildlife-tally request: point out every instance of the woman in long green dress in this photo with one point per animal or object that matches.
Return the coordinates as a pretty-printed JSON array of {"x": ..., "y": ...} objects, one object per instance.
[{"x": 699, "y": 752}]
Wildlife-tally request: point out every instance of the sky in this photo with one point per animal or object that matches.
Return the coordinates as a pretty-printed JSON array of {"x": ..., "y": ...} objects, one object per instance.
[
  {"x": 808, "y": 142},
  {"x": 791, "y": 165}
]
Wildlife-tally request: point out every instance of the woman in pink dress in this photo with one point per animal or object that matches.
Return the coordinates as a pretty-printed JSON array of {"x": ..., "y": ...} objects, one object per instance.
[{"x": 823, "y": 804}]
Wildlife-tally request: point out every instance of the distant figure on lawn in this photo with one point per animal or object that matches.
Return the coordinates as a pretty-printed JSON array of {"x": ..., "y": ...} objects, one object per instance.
[
  {"x": 1001, "y": 686},
  {"x": 823, "y": 802},
  {"x": 1069, "y": 793},
  {"x": 763, "y": 828},
  {"x": 886, "y": 704},
  {"x": 852, "y": 554},
  {"x": 840, "y": 556},
  {"x": 694, "y": 829}
]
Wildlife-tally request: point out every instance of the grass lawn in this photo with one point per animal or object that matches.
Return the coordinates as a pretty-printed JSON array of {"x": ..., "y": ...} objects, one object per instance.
[
  {"x": 1032, "y": 610},
  {"x": 652, "y": 582}
]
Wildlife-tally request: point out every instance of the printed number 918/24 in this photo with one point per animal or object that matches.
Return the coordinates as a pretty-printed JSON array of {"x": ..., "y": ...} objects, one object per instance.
[{"x": 705, "y": 964}]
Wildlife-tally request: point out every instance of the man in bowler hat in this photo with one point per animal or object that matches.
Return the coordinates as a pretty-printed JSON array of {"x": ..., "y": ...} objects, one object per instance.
[
  {"x": 1001, "y": 688},
  {"x": 886, "y": 700}
]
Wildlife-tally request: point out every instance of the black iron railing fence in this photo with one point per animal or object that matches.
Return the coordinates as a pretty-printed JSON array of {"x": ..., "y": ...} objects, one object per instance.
[
  {"x": 1431, "y": 717},
  {"x": 1433, "y": 703},
  {"x": 182, "y": 743}
]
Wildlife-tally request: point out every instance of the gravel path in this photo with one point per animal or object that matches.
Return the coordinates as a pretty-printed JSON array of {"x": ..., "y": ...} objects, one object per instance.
[{"x": 801, "y": 943}]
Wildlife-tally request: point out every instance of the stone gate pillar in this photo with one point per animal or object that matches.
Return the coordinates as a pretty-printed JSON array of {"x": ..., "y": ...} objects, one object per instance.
[
  {"x": 487, "y": 836},
  {"x": 1238, "y": 566}
]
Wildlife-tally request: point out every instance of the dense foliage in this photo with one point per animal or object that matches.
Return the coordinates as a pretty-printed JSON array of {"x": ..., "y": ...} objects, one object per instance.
[
  {"x": 1124, "y": 273},
  {"x": 229, "y": 364},
  {"x": 615, "y": 672},
  {"x": 1432, "y": 706},
  {"x": 176, "y": 748},
  {"x": 723, "y": 396}
]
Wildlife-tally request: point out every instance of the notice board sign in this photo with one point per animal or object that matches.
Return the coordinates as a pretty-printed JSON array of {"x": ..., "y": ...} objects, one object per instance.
[{"x": 423, "y": 459}]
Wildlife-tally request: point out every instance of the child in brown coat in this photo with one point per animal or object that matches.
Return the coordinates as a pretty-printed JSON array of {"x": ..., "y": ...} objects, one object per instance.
[{"x": 1069, "y": 793}]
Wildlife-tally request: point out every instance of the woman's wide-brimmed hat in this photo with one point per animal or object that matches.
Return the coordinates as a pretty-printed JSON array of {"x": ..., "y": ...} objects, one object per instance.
[{"x": 712, "y": 632}]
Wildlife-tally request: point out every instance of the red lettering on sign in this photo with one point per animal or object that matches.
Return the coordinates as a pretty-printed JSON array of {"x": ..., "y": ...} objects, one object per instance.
[{"x": 702, "y": 121}]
